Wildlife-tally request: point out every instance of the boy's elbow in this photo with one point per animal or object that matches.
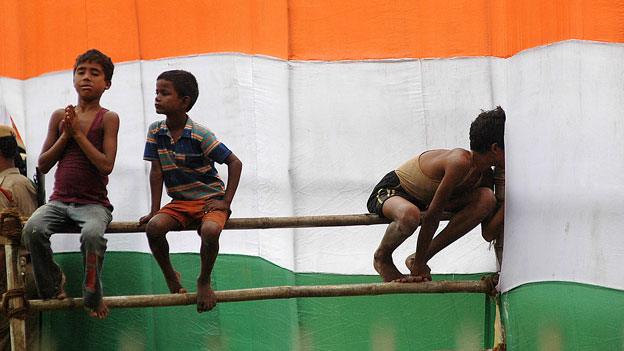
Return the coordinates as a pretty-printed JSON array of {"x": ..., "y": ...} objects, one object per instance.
[
  {"x": 43, "y": 167},
  {"x": 488, "y": 236},
  {"x": 106, "y": 170},
  {"x": 235, "y": 162}
]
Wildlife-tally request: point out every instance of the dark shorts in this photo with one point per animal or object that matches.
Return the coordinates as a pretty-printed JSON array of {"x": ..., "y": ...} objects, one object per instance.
[{"x": 390, "y": 186}]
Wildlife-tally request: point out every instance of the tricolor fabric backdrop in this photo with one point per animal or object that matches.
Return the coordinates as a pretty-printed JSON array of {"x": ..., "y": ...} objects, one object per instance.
[{"x": 320, "y": 99}]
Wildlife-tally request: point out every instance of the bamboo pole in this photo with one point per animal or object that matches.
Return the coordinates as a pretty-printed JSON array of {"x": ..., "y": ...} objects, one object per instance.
[
  {"x": 266, "y": 222},
  {"x": 276, "y": 292},
  {"x": 274, "y": 222},
  {"x": 14, "y": 281}
]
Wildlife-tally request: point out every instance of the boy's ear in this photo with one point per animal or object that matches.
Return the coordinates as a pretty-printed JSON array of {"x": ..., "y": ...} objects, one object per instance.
[
  {"x": 186, "y": 100},
  {"x": 496, "y": 149},
  {"x": 108, "y": 84}
]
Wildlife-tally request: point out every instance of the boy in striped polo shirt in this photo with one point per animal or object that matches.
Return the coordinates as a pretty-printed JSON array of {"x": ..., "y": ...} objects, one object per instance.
[{"x": 182, "y": 154}]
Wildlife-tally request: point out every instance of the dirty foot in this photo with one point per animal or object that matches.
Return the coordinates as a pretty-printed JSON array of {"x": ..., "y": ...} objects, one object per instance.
[
  {"x": 206, "y": 298},
  {"x": 100, "y": 312},
  {"x": 386, "y": 268},
  {"x": 419, "y": 275},
  {"x": 174, "y": 284},
  {"x": 409, "y": 261},
  {"x": 412, "y": 279},
  {"x": 425, "y": 272}
]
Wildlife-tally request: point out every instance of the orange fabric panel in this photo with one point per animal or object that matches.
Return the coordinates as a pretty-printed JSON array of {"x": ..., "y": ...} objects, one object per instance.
[
  {"x": 50, "y": 34},
  {"x": 379, "y": 29},
  {"x": 186, "y": 27},
  {"x": 40, "y": 36}
]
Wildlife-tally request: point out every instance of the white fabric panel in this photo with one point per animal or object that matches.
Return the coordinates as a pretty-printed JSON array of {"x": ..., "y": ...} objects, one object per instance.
[
  {"x": 354, "y": 122},
  {"x": 314, "y": 139},
  {"x": 243, "y": 99},
  {"x": 565, "y": 166},
  {"x": 12, "y": 102}
]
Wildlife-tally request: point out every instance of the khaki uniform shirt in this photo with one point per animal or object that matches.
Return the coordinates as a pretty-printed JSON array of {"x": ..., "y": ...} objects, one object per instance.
[{"x": 17, "y": 191}]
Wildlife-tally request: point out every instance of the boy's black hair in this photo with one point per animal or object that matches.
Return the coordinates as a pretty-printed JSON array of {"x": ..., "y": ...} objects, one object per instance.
[
  {"x": 184, "y": 84},
  {"x": 96, "y": 56},
  {"x": 487, "y": 129}
]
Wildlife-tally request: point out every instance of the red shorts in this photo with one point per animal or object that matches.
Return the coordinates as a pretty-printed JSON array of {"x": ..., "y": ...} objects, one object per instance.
[{"x": 189, "y": 212}]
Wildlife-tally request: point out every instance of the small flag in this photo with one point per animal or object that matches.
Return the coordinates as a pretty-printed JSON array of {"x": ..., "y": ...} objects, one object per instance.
[{"x": 18, "y": 137}]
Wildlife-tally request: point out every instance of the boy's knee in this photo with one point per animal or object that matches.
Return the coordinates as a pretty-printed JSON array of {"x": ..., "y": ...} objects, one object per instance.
[
  {"x": 209, "y": 231},
  {"x": 31, "y": 233},
  {"x": 92, "y": 238},
  {"x": 27, "y": 236},
  {"x": 408, "y": 220},
  {"x": 155, "y": 228},
  {"x": 488, "y": 235},
  {"x": 486, "y": 200}
]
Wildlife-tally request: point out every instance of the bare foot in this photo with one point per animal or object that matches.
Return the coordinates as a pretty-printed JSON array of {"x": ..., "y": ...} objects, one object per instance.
[
  {"x": 174, "y": 285},
  {"x": 419, "y": 275},
  {"x": 386, "y": 268},
  {"x": 413, "y": 279},
  {"x": 61, "y": 295},
  {"x": 206, "y": 298},
  {"x": 424, "y": 273},
  {"x": 409, "y": 261},
  {"x": 409, "y": 279},
  {"x": 100, "y": 312}
]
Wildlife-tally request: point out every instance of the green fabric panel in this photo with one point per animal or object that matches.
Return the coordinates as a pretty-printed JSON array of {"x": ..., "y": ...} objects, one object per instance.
[
  {"x": 563, "y": 316},
  {"x": 393, "y": 322}
]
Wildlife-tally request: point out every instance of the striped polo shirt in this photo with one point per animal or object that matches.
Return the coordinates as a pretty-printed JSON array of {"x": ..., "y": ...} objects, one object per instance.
[{"x": 187, "y": 165}]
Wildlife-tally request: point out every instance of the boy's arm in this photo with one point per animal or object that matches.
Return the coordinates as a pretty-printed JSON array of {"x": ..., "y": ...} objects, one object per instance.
[
  {"x": 54, "y": 143},
  {"x": 494, "y": 226},
  {"x": 103, "y": 161},
  {"x": 156, "y": 186},
  {"x": 487, "y": 180},
  {"x": 235, "y": 167},
  {"x": 454, "y": 171}
]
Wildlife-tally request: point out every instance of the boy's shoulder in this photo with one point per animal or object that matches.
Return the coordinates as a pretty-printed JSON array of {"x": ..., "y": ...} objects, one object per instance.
[
  {"x": 109, "y": 113},
  {"x": 155, "y": 126},
  {"x": 458, "y": 158},
  {"x": 460, "y": 154},
  {"x": 199, "y": 130},
  {"x": 58, "y": 113},
  {"x": 110, "y": 116}
]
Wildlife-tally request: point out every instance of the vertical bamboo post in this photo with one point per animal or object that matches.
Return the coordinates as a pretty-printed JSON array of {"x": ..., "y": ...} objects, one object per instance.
[
  {"x": 14, "y": 281},
  {"x": 10, "y": 235}
]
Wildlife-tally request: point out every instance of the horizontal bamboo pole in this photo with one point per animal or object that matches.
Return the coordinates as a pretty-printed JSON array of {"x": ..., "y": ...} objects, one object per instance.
[
  {"x": 275, "y": 222},
  {"x": 269, "y": 222},
  {"x": 263, "y": 222},
  {"x": 277, "y": 292}
]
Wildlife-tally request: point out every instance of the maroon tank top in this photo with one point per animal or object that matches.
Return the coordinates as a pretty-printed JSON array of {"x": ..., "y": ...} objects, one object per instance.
[{"x": 77, "y": 179}]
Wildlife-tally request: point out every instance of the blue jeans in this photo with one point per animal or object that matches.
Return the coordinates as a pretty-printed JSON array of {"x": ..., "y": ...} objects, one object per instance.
[{"x": 51, "y": 218}]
